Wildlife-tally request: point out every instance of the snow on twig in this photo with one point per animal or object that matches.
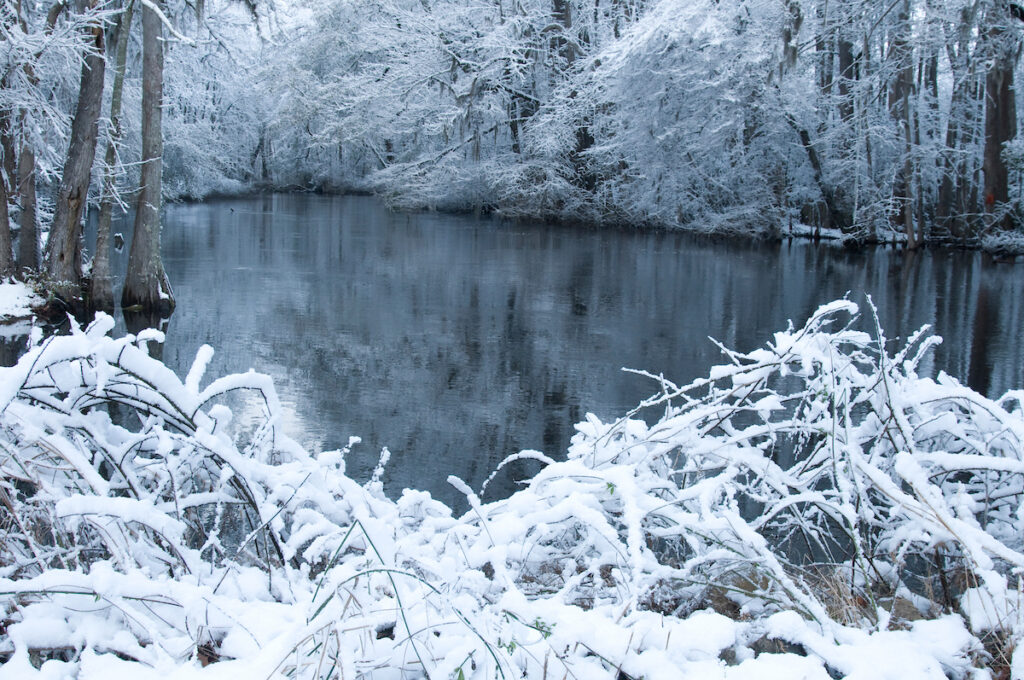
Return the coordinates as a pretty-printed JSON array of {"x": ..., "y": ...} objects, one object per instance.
[
  {"x": 153, "y": 7},
  {"x": 815, "y": 494}
]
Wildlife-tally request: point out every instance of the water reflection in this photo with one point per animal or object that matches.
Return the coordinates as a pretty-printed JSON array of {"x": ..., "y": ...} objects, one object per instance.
[{"x": 456, "y": 341}]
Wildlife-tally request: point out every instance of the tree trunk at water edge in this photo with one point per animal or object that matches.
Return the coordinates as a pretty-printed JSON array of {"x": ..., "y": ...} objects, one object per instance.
[
  {"x": 146, "y": 287},
  {"x": 64, "y": 250},
  {"x": 1000, "y": 119}
]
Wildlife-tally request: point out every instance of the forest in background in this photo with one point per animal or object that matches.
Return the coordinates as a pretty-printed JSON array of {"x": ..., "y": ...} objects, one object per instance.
[
  {"x": 885, "y": 120},
  {"x": 874, "y": 120}
]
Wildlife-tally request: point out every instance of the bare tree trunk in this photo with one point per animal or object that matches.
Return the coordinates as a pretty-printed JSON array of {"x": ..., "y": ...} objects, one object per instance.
[
  {"x": 900, "y": 109},
  {"x": 952, "y": 212},
  {"x": 146, "y": 287},
  {"x": 830, "y": 216},
  {"x": 28, "y": 239},
  {"x": 64, "y": 266},
  {"x": 9, "y": 148},
  {"x": 925, "y": 129},
  {"x": 7, "y": 182},
  {"x": 6, "y": 251},
  {"x": 1000, "y": 117},
  {"x": 824, "y": 43},
  {"x": 847, "y": 74},
  {"x": 1000, "y": 127},
  {"x": 101, "y": 288},
  {"x": 561, "y": 12}
]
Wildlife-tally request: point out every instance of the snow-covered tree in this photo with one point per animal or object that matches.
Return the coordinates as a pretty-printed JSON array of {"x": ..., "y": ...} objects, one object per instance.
[{"x": 871, "y": 118}]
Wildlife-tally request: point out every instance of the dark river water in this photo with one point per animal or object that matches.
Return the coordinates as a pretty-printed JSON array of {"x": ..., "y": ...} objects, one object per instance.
[{"x": 455, "y": 341}]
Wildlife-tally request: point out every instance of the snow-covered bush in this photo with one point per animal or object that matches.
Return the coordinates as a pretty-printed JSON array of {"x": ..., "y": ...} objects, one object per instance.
[{"x": 813, "y": 507}]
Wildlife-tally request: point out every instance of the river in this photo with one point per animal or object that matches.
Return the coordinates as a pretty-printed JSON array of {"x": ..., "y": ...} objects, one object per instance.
[{"x": 457, "y": 340}]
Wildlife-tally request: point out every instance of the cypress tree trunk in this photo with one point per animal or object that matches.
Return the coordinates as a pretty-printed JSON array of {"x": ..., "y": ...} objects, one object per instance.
[
  {"x": 847, "y": 74},
  {"x": 64, "y": 265},
  {"x": 6, "y": 251},
  {"x": 28, "y": 240},
  {"x": 101, "y": 289},
  {"x": 1000, "y": 118},
  {"x": 146, "y": 287},
  {"x": 900, "y": 108},
  {"x": 10, "y": 151},
  {"x": 7, "y": 180}
]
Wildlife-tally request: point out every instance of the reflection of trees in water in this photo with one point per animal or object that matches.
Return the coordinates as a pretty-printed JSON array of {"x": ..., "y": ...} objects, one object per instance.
[
  {"x": 12, "y": 346},
  {"x": 455, "y": 342},
  {"x": 979, "y": 372}
]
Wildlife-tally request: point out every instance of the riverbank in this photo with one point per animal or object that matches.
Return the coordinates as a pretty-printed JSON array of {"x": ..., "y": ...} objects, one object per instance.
[
  {"x": 1004, "y": 247},
  {"x": 17, "y": 301}
]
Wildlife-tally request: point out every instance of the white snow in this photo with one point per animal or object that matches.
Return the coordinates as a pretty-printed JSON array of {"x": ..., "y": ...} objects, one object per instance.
[
  {"x": 17, "y": 300},
  {"x": 653, "y": 551}
]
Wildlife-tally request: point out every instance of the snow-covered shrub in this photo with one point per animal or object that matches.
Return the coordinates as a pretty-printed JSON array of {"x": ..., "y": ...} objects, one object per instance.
[
  {"x": 1004, "y": 243},
  {"x": 812, "y": 507}
]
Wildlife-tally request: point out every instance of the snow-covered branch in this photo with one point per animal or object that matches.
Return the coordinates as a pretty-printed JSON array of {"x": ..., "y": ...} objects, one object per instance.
[{"x": 815, "y": 496}]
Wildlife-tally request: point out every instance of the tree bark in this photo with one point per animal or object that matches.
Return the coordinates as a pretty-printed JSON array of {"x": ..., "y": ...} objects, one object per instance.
[
  {"x": 10, "y": 150},
  {"x": 825, "y": 63},
  {"x": 847, "y": 75},
  {"x": 64, "y": 266},
  {"x": 954, "y": 203},
  {"x": 1000, "y": 119},
  {"x": 146, "y": 287},
  {"x": 101, "y": 289},
  {"x": 6, "y": 251},
  {"x": 900, "y": 108},
  {"x": 28, "y": 239},
  {"x": 561, "y": 12},
  {"x": 8, "y": 179},
  {"x": 832, "y": 216}
]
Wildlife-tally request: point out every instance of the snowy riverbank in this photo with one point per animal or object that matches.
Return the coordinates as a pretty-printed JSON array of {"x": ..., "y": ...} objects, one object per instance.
[
  {"x": 166, "y": 546},
  {"x": 16, "y": 301}
]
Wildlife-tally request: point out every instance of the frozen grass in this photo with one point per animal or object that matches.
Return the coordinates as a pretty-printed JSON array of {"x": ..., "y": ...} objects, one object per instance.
[{"x": 810, "y": 509}]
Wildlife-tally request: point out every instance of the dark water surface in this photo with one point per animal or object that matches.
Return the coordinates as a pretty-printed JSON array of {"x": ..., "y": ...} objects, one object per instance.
[{"x": 456, "y": 341}]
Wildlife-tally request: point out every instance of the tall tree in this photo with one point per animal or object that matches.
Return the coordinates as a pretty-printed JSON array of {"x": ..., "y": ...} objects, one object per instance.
[
  {"x": 6, "y": 251},
  {"x": 901, "y": 91},
  {"x": 64, "y": 265},
  {"x": 1000, "y": 110},
  {"x": 146, "y": 287},
  {"x": 28, "y": 239},
  {"x": 101, "y": 291}
]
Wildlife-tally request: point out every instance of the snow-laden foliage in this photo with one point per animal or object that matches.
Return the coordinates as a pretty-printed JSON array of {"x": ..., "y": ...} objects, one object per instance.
[
  {"x": 812, "y": 507},
  {"x": 701, "y": 139},
  {"x": 869, "y": 120},
  {"x": 41, "y": 62},
  {"x": 872, "y": 120},
  {"x": 216, "y": 107}
]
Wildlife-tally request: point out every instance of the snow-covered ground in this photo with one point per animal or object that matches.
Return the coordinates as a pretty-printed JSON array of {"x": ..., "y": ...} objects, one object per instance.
[
  {"x": 16, "y": 300},
  {"x": 170, "y": 546}
]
